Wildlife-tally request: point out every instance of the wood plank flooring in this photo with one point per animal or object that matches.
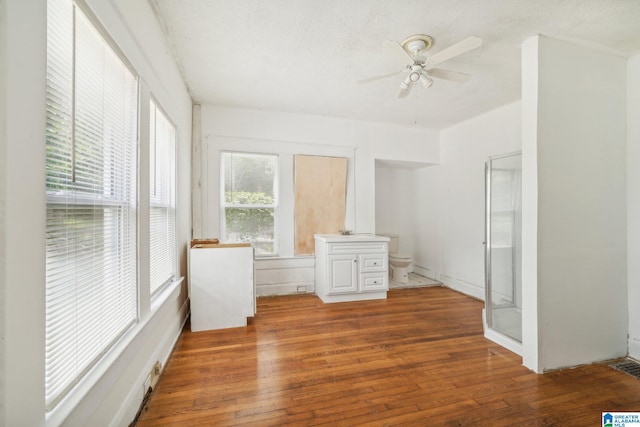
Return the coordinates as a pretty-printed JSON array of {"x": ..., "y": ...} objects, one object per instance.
[{"x": 419, "y": 358}]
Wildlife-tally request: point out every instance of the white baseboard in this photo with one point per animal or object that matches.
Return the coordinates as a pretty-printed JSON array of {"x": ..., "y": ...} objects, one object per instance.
[
  {"x": 284, "y": 288},
  {"x": 396, "y": 285},
  {"x": 462, "y": 286},
  {"x": 634, "y": 347},
  {"x": 426, "y": 272}
]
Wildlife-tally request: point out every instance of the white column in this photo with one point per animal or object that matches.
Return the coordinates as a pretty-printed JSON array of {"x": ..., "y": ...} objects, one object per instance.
[{"x": 574, "y": 143}]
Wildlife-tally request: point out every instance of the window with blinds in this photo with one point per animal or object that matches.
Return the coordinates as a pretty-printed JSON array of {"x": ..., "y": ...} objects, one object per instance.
[
  {"x": 91, "y": 146},
  {"x": 162, "y": 207}
]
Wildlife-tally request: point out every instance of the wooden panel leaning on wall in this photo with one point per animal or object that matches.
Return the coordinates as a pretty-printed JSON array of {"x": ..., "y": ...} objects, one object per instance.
[{"x": 320, "y": 198}]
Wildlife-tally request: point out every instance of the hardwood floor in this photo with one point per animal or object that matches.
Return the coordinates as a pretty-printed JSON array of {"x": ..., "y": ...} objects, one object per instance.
[{"x": 419, "y": 358}]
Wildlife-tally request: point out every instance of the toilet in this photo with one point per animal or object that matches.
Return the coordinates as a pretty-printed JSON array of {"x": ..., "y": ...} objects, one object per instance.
[{"x": 397, "y": 263}]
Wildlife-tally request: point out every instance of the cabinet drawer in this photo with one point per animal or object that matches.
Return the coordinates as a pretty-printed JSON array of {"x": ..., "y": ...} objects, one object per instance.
[
  {"x": 370, "y": 263},
  {"x": 357, "y": 247},
  {"x": 374, "y": 282}
]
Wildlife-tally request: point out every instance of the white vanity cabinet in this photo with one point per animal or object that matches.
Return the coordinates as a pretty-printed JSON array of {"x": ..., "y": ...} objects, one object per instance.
[{"x": 351, "y": 268}]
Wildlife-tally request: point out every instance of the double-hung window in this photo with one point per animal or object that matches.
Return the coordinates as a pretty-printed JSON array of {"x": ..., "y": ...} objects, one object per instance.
[
  {"x": 162, "y": 198},
  {"x": 249, "y": 200},
  {"x": 91, "y": 167}
]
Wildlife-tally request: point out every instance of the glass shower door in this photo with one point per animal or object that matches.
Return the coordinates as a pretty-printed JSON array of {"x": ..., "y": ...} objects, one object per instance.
[{"x": 503, "y": 279}]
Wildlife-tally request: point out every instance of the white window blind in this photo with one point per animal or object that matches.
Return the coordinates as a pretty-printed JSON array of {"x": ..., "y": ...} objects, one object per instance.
[
  {"x": 162, "y": 208},
  {"x": 91, "y": 144}
]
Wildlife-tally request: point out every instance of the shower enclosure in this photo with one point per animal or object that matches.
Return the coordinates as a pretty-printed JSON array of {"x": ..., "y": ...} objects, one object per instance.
[{"x": 503, "y": 246}]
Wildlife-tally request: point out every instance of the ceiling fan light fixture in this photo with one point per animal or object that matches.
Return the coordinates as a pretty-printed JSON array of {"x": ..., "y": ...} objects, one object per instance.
[
  {"x": 426, "y": 81},
  {"x": 415, "y": 76},
  {"x": 404, "y": 85}
]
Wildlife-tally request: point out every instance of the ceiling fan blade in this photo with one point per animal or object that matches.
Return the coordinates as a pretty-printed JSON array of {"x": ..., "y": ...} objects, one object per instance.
[
  {"x": 380, "y": 77},
  {"x": 397, "y": 49},
  {"x": 453, "y": 76},
  {"x": 464, "y": 46}
]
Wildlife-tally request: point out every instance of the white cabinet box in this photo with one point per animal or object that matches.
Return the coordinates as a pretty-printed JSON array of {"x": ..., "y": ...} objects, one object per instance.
[
  {"x": 351, "y": 268},
  {"x": 222, "y": 286}
]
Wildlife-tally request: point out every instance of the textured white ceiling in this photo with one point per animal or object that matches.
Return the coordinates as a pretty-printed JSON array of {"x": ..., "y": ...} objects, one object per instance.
[{"x": 306, "y": 56}]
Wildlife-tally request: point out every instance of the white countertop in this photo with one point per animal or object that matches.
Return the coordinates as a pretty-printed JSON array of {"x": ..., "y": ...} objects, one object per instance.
[{"x": 351, "y": 238}]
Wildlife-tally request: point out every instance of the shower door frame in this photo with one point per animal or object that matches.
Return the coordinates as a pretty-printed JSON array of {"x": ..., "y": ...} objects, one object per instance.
[{"x": 488, "y": 306}]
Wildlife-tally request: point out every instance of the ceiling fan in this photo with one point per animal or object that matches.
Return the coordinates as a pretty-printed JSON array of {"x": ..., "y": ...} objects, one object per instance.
[{"x": 421, "y": 69}]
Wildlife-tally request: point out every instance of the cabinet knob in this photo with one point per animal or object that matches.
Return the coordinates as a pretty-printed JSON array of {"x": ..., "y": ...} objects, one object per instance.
[{"x": 355, "y": 260}]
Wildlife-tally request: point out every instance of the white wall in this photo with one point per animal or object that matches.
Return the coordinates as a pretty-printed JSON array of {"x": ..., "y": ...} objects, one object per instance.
[
  {"x": 580, "y": 146},
  {"x": 309, "y": 134},
  {"x": 460, "y": 199},
  {"x": 3, "y": 165},
  {"x": 24, "y": 203},
  {"x": 633, "y": 203},
  {"x": 112, "y": 393},
  {"x": 395, "y": 199},
  {"x": 427, "y": 234}
]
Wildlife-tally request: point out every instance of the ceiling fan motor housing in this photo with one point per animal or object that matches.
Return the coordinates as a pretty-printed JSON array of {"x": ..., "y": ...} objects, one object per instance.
[{"x": 417, "y": 43}]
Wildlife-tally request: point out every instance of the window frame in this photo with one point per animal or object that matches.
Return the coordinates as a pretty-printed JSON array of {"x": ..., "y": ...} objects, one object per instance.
[
  {"x": 74, "y": 197},
  {"x": 154, "y": 105}
]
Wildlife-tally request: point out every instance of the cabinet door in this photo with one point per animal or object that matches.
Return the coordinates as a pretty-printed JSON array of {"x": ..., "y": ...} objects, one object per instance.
[{"x": 343, "y": 274}]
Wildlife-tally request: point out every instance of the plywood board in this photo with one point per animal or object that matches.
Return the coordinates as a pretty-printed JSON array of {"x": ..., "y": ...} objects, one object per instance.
[{"x": 320, "y": 198}]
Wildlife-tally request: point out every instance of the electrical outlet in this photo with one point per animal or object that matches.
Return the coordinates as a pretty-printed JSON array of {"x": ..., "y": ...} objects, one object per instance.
[
  {"x": 302, "y": 289},
  {"x": 155, "y": 373}
]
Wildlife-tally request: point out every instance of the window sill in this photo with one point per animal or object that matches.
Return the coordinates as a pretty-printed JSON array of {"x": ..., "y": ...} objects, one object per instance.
[{"x": 163, "y": 294}]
